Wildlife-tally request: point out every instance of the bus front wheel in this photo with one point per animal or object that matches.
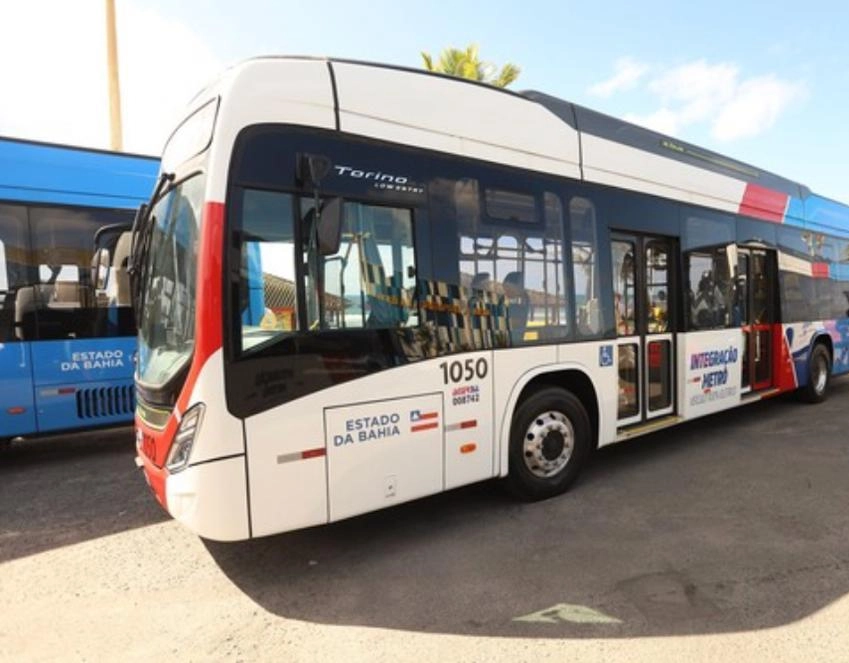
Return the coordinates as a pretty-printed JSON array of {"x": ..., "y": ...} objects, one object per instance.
[
  {"x": 819, "y": 371},
  {"x": 549, "y": 444}
]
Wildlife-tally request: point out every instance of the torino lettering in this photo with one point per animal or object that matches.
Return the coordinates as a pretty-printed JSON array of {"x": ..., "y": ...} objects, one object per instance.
[
  {"x": 713, "y": 358},
  {"x": 377, "y": 176}
]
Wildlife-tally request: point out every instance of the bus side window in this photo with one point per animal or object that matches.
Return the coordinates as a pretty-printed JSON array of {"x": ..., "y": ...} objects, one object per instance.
[
  {"x": 624, "y": 287},
  {"x": 4, "y": 276},
  {"x": 267, "y": 303},
  {"x": 370, "y": 281},
  {"x": 545, "y": 291},
  {"x": 17, "y": 321},
  {"x": 7, "y": 299},
  {"x": 70, "y": 273},
  {"x": 842, "y": 281},
  {"x": 582, "y": 218},
  {"x": 711, "y": 290},
  {"x": 513, "y": 244}
]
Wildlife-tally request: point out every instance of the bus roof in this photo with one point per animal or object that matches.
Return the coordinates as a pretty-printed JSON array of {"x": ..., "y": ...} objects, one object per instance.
[
  {"x": 40, "y": 172},
  {"x": 527, "y": 129}
]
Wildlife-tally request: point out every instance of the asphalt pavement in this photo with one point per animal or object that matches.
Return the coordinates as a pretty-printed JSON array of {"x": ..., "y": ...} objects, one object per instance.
[{"x": 721, "y": 539}]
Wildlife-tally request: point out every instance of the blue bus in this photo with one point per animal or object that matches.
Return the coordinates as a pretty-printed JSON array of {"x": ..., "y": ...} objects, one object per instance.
[{"x": 67, "y": 333}]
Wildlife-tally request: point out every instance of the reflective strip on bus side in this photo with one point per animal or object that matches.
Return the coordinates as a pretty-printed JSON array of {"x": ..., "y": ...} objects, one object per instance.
[
  {"x": 318, "y": 452},
  {"x": 472, "y": 423}
]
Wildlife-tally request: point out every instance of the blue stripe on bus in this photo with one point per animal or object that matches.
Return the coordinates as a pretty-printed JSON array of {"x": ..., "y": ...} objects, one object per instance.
[{"x": 826, "y": 215}]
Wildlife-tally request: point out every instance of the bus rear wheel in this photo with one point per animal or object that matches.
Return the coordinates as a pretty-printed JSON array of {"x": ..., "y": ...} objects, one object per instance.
[
  {"x": 549, "y": 444},
  {"x": 819, "y": 371}
]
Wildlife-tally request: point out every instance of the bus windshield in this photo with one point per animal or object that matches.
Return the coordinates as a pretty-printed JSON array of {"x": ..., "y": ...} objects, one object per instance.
[{"x": 167, "y": 317}]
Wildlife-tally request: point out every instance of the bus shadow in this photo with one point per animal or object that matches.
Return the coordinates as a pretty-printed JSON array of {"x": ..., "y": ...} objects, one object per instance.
[
  {"x": 731, "y": 523},
  {"x": 66, "y": 489}
]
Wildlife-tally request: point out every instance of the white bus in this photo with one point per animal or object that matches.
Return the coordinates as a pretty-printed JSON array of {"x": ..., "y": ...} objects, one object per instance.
[{"x": 358, "y": 285}]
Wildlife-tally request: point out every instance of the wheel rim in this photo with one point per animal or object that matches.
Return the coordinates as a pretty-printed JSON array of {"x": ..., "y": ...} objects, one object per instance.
[
  {"x": 820, "y": 374},
  {"x": 548, "y": 444}
]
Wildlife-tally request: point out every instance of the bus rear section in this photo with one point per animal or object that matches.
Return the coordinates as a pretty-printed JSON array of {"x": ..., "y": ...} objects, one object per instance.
[
  {"x": 349, "y": 298},
  {"x": 67, "y": 333}
]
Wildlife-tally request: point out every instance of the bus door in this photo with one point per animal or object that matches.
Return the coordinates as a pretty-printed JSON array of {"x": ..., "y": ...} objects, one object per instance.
[
  {"x": 643, "y": 292},
  {"x": 755, "y": 308}
]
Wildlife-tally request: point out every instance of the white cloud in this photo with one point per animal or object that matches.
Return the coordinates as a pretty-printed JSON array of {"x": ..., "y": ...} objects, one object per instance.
[
  {"x": 695, "y": 80},
  {"x": 698, "y": 89},
  {"x": 756, "y": 107},
  {"x": 628, "y": 74},
  {"x": 664, "y": 120},
  {"x": 716, "y": 95},
  {"x": 54, "y": 73}
]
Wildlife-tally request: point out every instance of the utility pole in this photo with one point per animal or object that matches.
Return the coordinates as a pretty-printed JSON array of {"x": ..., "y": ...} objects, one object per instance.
[{"x": 115, "y": 131}]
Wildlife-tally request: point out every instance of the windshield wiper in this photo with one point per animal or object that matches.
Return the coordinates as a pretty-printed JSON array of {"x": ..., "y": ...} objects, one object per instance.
[{"x": 141, "y": 233}]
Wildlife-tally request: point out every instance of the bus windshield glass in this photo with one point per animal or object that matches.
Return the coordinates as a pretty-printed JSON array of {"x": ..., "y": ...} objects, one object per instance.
[{"x": 167, "y": 316}]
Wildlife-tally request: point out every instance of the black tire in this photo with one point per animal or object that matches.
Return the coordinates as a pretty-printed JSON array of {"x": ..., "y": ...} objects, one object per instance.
[
  {"x": 819, "y": 375},
  {"x": 549, "y": 444}
]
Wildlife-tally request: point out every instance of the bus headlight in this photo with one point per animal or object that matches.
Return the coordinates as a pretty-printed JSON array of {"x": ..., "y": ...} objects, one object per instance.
[{"x": 181, "y": 448}]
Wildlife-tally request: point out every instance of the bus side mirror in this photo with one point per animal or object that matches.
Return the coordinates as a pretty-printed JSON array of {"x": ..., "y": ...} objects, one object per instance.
[
  {"x": 312, "y": 168},
  {"x": 330, "y": 227}
]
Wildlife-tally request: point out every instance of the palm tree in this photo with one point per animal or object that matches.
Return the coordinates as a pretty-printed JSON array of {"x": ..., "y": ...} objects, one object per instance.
[{"x": 467, "y": 64}]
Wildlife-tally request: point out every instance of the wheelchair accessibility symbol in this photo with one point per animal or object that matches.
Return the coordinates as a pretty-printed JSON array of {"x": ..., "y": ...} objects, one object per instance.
[{"x": 605, "y": 355}]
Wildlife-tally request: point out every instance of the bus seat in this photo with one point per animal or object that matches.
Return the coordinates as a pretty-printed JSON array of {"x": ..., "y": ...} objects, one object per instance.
[
  {"x": 67, "y": 295},
  {"x": 26, "y": 302},
  {"x": 479, "y": 288},
  {"x": 518, "y": 301},
  {"x": 120, "y": 296},
  {"x": 480, "y": 281}
]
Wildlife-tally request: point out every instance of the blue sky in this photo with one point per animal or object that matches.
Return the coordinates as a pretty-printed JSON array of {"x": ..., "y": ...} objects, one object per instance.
[{"x": 767, "y": 84}]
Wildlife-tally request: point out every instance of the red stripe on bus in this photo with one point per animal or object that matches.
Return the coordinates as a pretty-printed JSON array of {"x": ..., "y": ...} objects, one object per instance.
[
  {"x": 783, "y": 365},
  {"x": 763, "y": 203},
  {"x": 208, "y": 323},
  {"x": 150, "y": 447},
  {"x": 314, "y": 453},
  {"x": 422, "y": 427}
]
